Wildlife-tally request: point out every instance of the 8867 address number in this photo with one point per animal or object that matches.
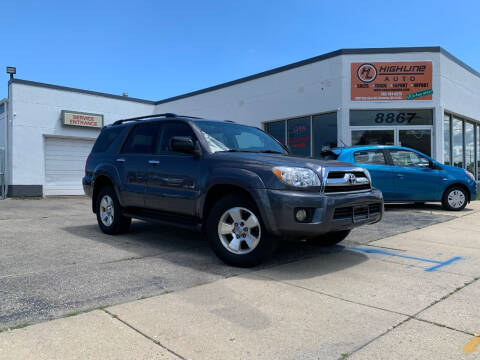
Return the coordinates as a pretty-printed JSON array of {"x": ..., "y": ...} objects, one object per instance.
[{"x": 390, "y": 118}]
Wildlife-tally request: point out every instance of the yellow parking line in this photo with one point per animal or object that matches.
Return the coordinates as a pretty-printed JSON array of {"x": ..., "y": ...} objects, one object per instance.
[{"x": 472, "y": 344}]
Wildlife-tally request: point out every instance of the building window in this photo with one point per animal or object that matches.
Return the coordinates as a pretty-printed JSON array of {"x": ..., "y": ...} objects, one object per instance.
[
  {"x": 462, "y": 147},
  {"x": 299, "y": 136},
  {"x": 306, "y": 136},
  {"x": 277, "y": 130},
  {"x": 470, "y": 147},
  {"x": 446, "y": 139},
  {"x": 457, "y": 142},
  {"x": 478, "y": 151},
  {"x": 324, "y": 133}
]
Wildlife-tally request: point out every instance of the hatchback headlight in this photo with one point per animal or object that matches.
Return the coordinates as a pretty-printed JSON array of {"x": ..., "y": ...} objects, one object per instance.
[
  {"x": 295, "y": 176},
  {"x": 469, "y": 174}
]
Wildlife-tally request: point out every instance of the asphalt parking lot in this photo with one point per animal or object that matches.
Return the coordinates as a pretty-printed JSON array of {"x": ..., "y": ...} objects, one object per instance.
[
  {"x": 55, "y": 260},
  {"x": 403, "y": 288}
]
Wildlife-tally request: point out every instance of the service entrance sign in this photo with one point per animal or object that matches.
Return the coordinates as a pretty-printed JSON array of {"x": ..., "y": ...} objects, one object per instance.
[
  {"x": 391, "y": 81},
  {"x": 72, "y": 118}
]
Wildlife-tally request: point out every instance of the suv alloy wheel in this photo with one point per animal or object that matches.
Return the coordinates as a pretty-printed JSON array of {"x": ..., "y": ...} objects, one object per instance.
[
  {"x": 236, "y": 233},
  {"x": 109, "y": 213}
]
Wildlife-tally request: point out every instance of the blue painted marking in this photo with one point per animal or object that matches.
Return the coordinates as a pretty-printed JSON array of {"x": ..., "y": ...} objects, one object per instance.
[
  {"x": 389, "y": 253},
  {"x": 448, "y": 262}
]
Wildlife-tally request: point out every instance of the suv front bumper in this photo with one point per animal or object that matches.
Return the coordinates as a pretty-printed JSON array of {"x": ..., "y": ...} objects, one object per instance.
[{"x": 279, "y": 209}]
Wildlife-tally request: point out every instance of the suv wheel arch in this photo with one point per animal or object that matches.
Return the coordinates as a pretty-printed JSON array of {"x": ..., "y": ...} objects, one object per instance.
[
  {"x": 218, "y": 191},
  {"x": 99, "y": 183}
]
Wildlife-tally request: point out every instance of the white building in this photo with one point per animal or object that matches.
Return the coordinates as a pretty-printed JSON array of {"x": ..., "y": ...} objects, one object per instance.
[{"x": 423, "y": 98}]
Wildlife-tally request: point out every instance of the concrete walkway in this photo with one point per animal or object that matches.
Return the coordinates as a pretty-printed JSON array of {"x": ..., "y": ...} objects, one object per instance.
[{"x": 410, "y": 296}]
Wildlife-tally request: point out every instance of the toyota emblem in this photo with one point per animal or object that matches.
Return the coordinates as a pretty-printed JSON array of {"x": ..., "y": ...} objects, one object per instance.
[{"x": 350, "y": 178}]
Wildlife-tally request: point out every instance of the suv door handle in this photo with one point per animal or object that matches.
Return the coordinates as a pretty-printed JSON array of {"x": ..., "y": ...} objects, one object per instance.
[
  {"x": 154, "y": 162},
  {"x": 121, "y": 160}
]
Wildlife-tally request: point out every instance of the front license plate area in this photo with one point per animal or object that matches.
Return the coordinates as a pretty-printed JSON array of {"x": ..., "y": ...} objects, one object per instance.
[{"x": 360, "y": 213}]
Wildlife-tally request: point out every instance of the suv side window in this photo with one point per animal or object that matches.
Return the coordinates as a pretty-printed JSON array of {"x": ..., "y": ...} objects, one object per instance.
[
  {"x": 168, "y": 130},
  {"x": 372, "y": 157},
  {"x": 408, "y": 158},
  {"x": 141, "y": 139},
  {"x": 106, "y": 138}
]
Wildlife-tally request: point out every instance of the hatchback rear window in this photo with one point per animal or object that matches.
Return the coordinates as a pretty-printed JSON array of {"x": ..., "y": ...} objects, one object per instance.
[{"x": 106, "y": 138}]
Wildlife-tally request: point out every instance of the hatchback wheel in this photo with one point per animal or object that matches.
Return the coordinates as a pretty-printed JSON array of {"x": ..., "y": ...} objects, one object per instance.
[
  {"x": 455, "y": 198},
  {"x": 109, "y": 213},
  {"x": 236, "y": 232}
]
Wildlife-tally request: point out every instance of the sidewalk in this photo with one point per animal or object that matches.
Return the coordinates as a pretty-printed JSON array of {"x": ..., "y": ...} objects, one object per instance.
[{"x": 380, "y": 301}]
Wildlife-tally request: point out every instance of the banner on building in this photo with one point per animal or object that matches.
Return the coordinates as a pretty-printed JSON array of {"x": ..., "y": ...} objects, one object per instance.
[
  {"x": 391, "y": 81},
  {"x": 72, "y": 118}
]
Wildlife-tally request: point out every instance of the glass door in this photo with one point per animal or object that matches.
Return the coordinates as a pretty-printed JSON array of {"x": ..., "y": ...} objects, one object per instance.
[
  {"x": 418, "y": 139},
  {"x": 373, "y": 137}
]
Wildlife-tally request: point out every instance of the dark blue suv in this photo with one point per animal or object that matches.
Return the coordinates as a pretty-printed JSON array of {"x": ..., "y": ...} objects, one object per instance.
[{"x": 234, "y": 182}]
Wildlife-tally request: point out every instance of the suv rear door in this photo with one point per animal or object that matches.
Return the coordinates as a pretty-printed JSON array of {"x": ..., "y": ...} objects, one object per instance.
[
  {"x": 132, "y": 162},
  {"x": 173, "y": 178}
]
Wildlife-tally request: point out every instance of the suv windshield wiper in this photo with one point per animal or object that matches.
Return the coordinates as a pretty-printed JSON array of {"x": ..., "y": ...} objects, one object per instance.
[{"x": 271, "y": 152}]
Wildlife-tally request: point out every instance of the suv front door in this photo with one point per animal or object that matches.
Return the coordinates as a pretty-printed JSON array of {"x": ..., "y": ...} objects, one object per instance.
[
  {"x": 173, "y": 177},
  {"x": 131, "y": 163}
]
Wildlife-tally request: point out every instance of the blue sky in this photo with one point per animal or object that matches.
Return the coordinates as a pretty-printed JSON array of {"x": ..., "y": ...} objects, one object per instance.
[{"x": 158, "y": 49}]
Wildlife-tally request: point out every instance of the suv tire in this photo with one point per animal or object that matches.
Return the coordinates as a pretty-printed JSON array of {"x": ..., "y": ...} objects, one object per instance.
[
  {"x": 109, "y": 213},
  {"x": 236, "y": 232},
  {"x": 330, "y": 239},
  {"x": 455, "y": 198}
]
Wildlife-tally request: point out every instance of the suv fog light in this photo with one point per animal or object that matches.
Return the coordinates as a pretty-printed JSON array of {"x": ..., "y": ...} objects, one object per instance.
[{"x": 301, "y": 215}]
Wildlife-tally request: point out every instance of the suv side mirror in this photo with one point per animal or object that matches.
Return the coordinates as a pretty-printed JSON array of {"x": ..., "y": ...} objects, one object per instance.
[{"x": 183, "y": 144}]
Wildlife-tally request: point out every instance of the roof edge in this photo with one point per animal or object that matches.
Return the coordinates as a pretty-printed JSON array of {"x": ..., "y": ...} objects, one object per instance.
[
  {"x": 332, "y": 54},
  {"x": 82, "y": 91},
  {"x": 366, "y": 51}
]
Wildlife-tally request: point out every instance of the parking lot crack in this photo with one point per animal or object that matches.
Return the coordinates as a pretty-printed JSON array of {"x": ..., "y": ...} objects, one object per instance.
[{"x": 174, "y": 353}]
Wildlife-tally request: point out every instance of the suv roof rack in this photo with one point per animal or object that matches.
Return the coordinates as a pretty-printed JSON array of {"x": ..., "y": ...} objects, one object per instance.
[{"x": 166, "y": 115}]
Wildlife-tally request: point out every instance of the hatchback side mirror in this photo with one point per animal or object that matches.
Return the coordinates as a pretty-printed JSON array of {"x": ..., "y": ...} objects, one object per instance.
[{"x": 182, "y": 144}]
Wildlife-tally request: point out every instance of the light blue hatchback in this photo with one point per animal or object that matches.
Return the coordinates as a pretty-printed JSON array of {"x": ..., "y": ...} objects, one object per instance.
[{"x": 407, "y": 175}]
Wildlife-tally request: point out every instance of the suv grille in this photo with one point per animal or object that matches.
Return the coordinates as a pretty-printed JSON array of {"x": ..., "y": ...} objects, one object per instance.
[
  {"x": 361, "y": 212},
  {"x": 346, "y": 181}
]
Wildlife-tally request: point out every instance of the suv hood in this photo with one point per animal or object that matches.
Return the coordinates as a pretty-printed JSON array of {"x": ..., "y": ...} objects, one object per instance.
[{"x": 279, "y": 160}]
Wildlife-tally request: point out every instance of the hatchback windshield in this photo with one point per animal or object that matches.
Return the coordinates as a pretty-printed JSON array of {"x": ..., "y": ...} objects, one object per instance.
[{"x": 234, "y": 137}]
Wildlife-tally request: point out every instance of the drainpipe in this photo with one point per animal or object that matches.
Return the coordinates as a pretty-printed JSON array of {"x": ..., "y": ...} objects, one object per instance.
[{"x": 5, "y": 150}]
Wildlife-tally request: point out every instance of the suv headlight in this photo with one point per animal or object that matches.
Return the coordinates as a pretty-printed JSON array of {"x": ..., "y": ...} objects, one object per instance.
[
  {"x": 367, "y": 174},
  {"x": 469, "y": 174},
  {"x": 295, "y": 176}
]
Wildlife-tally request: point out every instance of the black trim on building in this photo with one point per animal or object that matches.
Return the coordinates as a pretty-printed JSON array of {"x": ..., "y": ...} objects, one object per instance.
[
  {"x": 25, "y": 191},
  {"x": 368, "y": 51},
  {"x": 66, "y": 88}
]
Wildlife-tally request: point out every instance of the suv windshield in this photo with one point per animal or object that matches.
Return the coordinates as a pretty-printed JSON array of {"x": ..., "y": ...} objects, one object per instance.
[{"x": 234, "y": 137}]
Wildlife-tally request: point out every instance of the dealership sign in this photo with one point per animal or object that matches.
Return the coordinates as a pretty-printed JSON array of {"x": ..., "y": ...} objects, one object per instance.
[
  {"x": 71, "y": 118},
  {"x": 391, "y": 81}
]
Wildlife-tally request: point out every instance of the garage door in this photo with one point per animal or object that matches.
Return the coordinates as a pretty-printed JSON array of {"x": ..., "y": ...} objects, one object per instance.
[{"x": 65, "y": 165}]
